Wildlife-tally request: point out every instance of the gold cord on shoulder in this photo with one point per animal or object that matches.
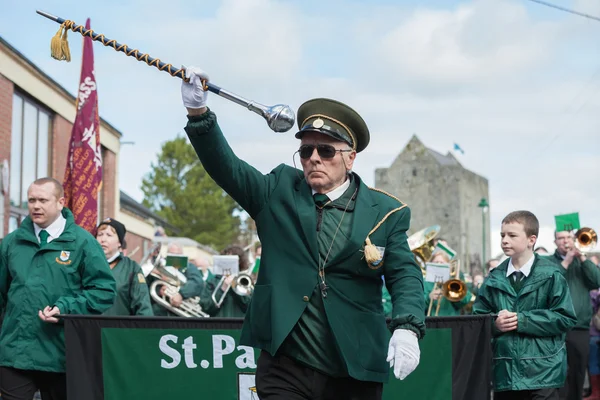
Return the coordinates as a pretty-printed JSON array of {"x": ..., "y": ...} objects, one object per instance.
[{"x": 372, "y": 255}]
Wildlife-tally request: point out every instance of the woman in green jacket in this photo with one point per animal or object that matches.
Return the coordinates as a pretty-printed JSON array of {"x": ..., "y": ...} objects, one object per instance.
[
  {"x": 233, "y": 305},
  {"x": 133, "y": 297}
]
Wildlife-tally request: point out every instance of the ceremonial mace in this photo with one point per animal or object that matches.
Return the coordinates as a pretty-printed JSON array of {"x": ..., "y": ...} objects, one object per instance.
[{"x": 279, "y": 117}]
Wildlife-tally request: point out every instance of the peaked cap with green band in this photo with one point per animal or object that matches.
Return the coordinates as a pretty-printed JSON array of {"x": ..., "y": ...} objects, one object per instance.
[{"x": 334, "y": 119}]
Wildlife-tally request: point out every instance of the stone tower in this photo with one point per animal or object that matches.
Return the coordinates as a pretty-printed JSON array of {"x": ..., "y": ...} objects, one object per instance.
[{"x": 439, "y": 191}]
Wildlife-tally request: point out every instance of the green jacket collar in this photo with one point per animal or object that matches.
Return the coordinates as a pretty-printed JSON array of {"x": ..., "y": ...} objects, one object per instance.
[
  {"x": 365, "y": 218},
  {"x": 26, "y": 231},
  {"x": 536, "y": 278}
]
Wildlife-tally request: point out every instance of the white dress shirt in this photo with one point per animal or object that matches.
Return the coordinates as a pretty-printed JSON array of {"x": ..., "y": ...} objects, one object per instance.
[
  {"x": 337, "y": 192},
  {"x": 54, "y": 230},
  {"x": 525, "y": 269}
]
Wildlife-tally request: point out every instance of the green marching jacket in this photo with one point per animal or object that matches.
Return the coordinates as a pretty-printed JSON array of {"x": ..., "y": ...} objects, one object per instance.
[
  {"x": 582, "y": 277},
  {"x": 233, "y": 306},
  {"x": 534, "y": 356},
  {"x": 70, "y": 273},
  {"x": 282, "y": 205},
  {"x": 133, "y": 297}
]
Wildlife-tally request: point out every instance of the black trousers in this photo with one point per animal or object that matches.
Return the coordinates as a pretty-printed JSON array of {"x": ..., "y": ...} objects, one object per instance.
[
  {"x": 281, "y": 378},
  {"x": 18, "y": 384},
  {"x": 578, "y": 349},
  {"x": 539, "y": 394}
]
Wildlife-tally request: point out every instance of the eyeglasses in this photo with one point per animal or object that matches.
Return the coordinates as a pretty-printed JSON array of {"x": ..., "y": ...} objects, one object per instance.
[{"x": 324, "y": 150}]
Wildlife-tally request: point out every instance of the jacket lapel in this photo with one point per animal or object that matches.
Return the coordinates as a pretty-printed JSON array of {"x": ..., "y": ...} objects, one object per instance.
[
  {"x": 305, "y": 209},
  {"x": 366, "y": 213}
]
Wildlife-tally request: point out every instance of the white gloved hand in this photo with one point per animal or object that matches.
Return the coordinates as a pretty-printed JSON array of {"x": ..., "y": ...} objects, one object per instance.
[
  {"x": 403, "y": 353},
  {"x": 192, "y": 92}
]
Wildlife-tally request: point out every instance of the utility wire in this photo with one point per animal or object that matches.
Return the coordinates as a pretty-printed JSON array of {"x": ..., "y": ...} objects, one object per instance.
[{"x": 567, "y": 10}]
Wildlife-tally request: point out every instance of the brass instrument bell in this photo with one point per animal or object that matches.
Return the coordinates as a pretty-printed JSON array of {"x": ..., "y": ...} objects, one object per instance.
[
  {"x": 586, "y": 239},
  {"x": 421, "y": 245},
  {"x": 454, "y": 289}
]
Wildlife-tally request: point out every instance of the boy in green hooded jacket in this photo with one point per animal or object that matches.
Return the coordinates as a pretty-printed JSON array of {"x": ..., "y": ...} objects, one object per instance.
[{"x": 534, "y": 311}]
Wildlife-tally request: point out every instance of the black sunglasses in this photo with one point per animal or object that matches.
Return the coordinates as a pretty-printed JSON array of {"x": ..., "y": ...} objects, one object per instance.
[{"x": 324, "y": 150}]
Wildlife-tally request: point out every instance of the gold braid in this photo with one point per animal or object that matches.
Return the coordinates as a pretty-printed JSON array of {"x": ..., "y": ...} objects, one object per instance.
[{"x": 372, "y": 255}]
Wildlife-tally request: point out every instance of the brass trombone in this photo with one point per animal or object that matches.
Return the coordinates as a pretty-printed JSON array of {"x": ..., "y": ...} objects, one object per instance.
[
  {"x": 453, "y": 289},
  {"x": 242, "y": 285}
]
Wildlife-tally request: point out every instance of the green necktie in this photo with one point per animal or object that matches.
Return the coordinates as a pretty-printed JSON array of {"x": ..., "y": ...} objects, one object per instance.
[
  {"x": 44, "y": 237},
  {"x": 320, "y": 199}
]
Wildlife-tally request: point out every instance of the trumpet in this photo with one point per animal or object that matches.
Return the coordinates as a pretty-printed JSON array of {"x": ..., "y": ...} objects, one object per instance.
[
  {"x": 242, "y": 285},
  {"x": 586, "y": 239}
]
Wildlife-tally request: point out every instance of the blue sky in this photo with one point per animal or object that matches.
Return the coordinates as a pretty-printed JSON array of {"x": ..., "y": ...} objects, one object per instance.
[{"x": 515, "y": 83}]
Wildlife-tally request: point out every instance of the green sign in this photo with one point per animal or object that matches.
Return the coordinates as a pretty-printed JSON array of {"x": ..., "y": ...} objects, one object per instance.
[{"x": 210, "y": 364}]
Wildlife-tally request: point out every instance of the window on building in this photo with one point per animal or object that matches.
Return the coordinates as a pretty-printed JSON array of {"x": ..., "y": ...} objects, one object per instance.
[{"x": 30, "y": 155}]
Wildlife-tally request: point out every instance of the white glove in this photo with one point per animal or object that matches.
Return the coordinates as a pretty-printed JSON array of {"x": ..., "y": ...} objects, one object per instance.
[
  {"x": 403, "y": 353},
  {"x": 192, "y": 92}
]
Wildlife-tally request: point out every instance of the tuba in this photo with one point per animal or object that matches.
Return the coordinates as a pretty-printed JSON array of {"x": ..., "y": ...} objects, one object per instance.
[
  {"x": 154, "y": 265},
  {"x": 421, "y": 245},
  {"x": 242, "y": 285},
  {"x": 585, "y": 239},
  {"x": 454, "y": 289}
]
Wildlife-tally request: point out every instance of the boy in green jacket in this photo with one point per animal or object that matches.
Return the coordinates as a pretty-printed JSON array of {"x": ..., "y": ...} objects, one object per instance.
[
  {"x": 49, "y": 266},
  {"x": 531, "y": 298}
]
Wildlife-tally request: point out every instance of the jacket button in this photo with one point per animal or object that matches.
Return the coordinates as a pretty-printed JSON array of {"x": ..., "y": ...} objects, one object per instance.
[{"x": 305, "y": 298}]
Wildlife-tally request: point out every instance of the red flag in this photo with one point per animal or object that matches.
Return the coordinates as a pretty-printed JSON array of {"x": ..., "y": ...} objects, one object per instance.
[{"x": 83, "y": 176}]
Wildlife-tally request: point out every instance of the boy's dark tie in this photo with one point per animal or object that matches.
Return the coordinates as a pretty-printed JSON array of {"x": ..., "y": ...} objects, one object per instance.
[{"x": 517, "y": 280}]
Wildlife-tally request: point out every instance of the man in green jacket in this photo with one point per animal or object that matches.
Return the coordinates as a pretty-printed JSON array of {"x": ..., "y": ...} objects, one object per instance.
[
  {"x": 316, "y": 311},
  {"x": 531, "y": 299},
  {"x": 133, "y": 297},
  {"x": 49, "y": 266},
  {"x": 582, "y": 276}
]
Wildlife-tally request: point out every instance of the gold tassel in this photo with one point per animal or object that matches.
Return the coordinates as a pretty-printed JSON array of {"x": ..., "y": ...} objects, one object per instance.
[
  {"x": 372, "y": 255},
  {"x": 56, "y": 46},
  {"x": 65, "y": 46},
  {"x": 59, "y": 46}
]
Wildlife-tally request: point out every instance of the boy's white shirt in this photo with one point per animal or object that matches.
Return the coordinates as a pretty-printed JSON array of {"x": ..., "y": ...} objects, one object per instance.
[{"x": 525, "y": 269}]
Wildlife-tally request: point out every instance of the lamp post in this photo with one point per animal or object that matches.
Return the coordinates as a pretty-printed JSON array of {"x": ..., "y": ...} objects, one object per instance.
[{"x": 483, "y": 204}]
